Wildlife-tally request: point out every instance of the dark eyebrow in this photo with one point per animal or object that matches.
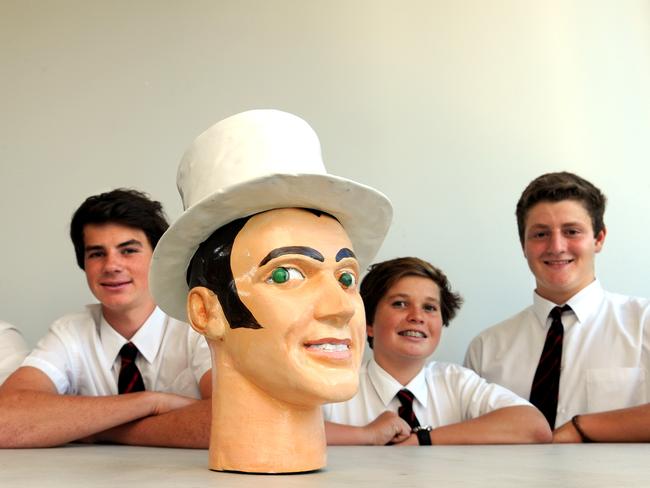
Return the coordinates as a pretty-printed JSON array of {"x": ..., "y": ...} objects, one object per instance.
[
  {"x": 407, "y": 296},
  {"x": 131, "y": 242},
  {"x": 345, "y": 253},
  {"x": 93, "y": 248},
  {"x": 99, "y": 247},
  {"x": 304, "y": 250}
]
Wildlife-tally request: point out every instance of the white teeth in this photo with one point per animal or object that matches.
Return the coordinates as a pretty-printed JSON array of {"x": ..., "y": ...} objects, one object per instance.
[
  {"x": 412, "y": 333},
  {"x": 327, "y": 347}
]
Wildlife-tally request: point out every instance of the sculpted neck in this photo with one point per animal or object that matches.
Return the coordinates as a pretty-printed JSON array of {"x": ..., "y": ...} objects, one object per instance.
[{"x": 254, "y": 432}]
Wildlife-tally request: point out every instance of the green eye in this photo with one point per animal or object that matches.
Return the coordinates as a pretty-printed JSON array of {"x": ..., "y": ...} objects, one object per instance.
[
  {"x": 280, "y": 275},
  {"x": 284, "y": 274},
  {"x": 347, "y": 280}
]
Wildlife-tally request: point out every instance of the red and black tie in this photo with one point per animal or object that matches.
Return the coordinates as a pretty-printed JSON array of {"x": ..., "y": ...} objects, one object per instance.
[
  {"x": 130, "y": 379},
  {"x": 545, "y": 389},
  {"x": 406, "y": 412}
]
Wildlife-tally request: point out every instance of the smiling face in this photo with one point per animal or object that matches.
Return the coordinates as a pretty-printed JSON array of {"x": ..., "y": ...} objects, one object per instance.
[
  {"x": 296, "y": 273},
  {"x": 116, "y": 262},
  {"x": 407, "y": 324},
  {"x": 560, "y": 247}
]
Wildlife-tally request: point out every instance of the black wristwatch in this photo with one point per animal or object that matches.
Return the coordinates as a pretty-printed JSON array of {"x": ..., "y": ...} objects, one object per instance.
[{"x": 422, "y": 431}]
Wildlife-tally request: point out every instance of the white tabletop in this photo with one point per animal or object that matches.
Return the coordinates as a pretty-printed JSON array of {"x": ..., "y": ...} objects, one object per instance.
[{"x": 595, "y": 465}]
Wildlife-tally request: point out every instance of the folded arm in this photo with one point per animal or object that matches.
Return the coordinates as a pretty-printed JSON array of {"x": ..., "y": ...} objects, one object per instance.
[
  {"x": 33, "y": 414},
  {"x": 387, "y": 428},
  {"x": 509, "y": 425},
  {"x": 188, "y": 426},
  {"x": 624, "y": 425}
]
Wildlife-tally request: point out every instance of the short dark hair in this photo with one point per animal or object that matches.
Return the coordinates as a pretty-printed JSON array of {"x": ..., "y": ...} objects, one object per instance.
[
  {"x": 382, "y": 276},
  {"x": 210, "y": 267},
  {"x": 123, "y": 206},
  {"x": 555, "y": 187}
]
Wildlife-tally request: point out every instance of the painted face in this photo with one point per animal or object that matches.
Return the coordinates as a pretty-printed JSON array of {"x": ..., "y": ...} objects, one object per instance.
[
  {"x": 298, "y": 276},
  {"x": 560, "y": 247},
  {"x": 116, "y": 261},
  {"x": 407, "y": 323}
]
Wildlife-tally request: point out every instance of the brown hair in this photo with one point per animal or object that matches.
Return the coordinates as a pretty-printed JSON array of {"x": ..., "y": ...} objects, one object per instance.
[
  {"x": 382, "y": 276},
  {"x": 123, "y": 206},
  {"x": 555, "y": 187}
]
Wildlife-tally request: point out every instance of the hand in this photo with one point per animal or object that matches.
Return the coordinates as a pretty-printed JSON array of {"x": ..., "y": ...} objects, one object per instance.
[
  {"x": 566, "y": 433},
  {"x": 411, "y": 440},
  {"x": 387, "y": 428},
  {"x": 166, "y": 402}
]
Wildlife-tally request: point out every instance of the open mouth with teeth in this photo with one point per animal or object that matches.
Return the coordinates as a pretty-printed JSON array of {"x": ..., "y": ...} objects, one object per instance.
[
  {"x": 330, "y": 348},
  {"x": 413, "y": 333},
  {"x": 558, "y": 262}
]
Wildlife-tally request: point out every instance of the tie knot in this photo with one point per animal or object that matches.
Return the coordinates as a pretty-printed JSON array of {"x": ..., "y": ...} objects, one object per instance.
[
  {"x": 129, "y": 351},
  {"x": 556, "y": 313},
  {"x": 405, "y": 397}
]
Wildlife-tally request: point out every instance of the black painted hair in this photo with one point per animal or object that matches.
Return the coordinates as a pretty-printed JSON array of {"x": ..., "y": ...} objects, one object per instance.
[{"x": 210, "y": 267}]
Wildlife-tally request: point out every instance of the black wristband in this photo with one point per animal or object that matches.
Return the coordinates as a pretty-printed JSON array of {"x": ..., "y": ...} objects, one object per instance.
[
  {"x": 424, "y": 438},
  {"x": 585, "y": 438}
]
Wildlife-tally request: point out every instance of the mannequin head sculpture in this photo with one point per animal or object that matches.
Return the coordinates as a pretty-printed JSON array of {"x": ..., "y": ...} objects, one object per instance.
[
  {"x": 289, "y": 318},
  {"x": 265, "y": 263}
]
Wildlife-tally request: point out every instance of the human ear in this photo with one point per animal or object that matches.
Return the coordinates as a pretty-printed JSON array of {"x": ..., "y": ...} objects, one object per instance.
[
  {"x": 205, "y": 313},
  {"x": 369, "y": 331},
  {"x": 600, "y": 239}
]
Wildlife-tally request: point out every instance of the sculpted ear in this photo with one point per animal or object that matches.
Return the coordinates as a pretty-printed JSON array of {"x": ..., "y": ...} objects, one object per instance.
[{"x": 205, "y": 313}]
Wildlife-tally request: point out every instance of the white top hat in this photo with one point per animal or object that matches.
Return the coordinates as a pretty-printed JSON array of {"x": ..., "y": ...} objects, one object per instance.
[{"x": 249, "y": 163}]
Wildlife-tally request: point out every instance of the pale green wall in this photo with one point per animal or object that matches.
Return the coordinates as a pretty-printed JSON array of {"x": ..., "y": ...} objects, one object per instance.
[{"x": 449, "y": 107}]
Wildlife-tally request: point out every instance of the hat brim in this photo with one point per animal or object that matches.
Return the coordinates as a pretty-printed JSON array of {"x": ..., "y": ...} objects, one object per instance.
[{"x": 364, "y": 213}]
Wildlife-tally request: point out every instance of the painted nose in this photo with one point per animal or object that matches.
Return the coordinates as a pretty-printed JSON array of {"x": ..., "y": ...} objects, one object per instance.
[{"x": 334, "y": 304}]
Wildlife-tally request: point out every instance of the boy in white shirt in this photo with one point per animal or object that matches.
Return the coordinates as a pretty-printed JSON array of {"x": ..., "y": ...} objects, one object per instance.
[
  {"x": 13, "y": 350},
  {"x": 580, "y": 353},
  {"x": 120, "y": 371},
  {"x": 402, "y": 399}
]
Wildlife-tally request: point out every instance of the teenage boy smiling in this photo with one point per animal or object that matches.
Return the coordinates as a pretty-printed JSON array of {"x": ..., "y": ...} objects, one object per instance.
[
  {"x": 74, "y": 386},
  {"x": 407, "y": 302},
  {"x": 604, "y": 344}
]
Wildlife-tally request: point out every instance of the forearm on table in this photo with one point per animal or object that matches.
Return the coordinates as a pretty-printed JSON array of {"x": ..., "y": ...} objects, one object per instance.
[
  {"x": 509, "y": 425},
  {"x": 623, "y": 425},
  {"x": 342, "y": 434},
  {"x": 187, "y": 427},
  {"x": 33, "y": 418}
]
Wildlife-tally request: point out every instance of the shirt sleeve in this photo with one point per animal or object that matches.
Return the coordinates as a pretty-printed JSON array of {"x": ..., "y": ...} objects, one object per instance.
[
  {"x": 13, "y": 350},
  {"x": 52, "y": 357},
  {"x": 478, "y": 397}
]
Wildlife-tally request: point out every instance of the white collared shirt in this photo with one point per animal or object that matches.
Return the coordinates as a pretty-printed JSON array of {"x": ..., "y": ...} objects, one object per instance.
[
  {"x": 444, "y": 394},
  {"x": 605, "y": 354},
  {"x": 80, "y": 354},
  {"x": 13, "y": 350}
]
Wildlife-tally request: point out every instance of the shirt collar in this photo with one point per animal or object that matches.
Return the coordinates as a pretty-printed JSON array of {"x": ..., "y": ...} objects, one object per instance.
[
  {"x": 147, "y": 339},
  {"x": 582, "y": 303},
  {"x": 387, "y": 387}
]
